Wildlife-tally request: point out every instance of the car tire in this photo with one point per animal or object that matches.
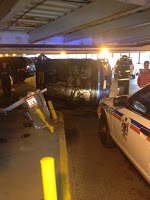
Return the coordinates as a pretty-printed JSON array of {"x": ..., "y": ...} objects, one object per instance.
[{"x": 104, "y": 132}]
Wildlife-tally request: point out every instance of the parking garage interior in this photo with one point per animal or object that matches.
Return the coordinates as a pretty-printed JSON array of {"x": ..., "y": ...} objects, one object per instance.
[{"x": 89, "y": 30}]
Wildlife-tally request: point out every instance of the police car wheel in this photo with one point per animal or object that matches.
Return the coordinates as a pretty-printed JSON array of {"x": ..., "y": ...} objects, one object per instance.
[{"x": 104, "y": 133}]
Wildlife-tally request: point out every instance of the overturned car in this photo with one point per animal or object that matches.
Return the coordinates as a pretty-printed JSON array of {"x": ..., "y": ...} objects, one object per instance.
[{"x": 77, "y": 80}]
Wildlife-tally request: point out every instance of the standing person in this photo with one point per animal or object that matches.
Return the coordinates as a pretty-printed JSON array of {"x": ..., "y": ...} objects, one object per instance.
[
  {"x": 40, "y": 69},
  {"x": 123, "y": 71},
  {"x": 5, "y": 73},
  {"x": 144, "y": 75}
]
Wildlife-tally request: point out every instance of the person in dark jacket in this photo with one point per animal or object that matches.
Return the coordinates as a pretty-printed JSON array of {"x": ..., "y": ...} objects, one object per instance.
[
  {"x": 5, "y": 73},
  {"x": 123, "y": 67},
  {"x": 40, "y": 71}
]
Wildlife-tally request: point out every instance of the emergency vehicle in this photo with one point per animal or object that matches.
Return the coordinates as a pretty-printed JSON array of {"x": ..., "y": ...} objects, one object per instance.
[
  {"x": 124, "y": 62},
  {"x": 125, "y": 121}
]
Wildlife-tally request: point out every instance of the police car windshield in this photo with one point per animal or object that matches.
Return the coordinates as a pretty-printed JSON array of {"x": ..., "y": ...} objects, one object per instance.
[
  {"x": 140, "y": 101},
  {"x": 145, "y": 94}
]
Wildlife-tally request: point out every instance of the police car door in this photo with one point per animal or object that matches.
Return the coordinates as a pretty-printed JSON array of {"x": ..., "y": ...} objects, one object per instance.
[
  {"x": 133, "y": 130},
  {"x": 120, "y": 127},
  {"x": 138, "y": 136}
]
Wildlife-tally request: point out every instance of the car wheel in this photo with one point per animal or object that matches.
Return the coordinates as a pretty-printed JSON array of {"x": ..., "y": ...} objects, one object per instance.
[{"x": 104, "y": 133}]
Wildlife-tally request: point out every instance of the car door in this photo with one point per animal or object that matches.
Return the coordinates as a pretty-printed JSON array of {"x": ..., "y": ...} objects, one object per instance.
[
  {"x": 120, "y": 126},
  {"x": 132, "y": 132}
]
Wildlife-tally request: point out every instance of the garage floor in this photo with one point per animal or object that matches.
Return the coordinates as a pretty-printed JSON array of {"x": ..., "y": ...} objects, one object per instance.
[
  {"x": 95, "y": 172},
  {"x": 21, "y": 149}
]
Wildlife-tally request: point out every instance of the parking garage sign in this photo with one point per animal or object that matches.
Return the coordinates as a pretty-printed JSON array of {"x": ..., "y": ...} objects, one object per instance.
[{"x": 31, "y": 101}]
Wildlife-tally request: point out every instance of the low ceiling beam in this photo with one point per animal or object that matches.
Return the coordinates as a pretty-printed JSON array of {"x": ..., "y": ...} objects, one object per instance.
[
  {"x": 136, "y": 19},
  {"x": 134, "y": 36},
  {"x": 72, "y": 49},
  {"x": 84, "y": 15},
  {"x": 20, "y": 5},
  {"x": 6, "y": 6},
  {"x": 122, "y": 35},
  {"x": 136, "y": 2}
]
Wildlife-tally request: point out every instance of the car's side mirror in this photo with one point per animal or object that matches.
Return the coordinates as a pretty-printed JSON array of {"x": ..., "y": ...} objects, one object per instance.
[{"x": 120, "y": 101}]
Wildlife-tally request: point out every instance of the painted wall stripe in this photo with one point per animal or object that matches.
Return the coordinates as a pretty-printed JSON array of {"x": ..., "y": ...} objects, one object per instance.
[{"x": 63, "y": 162}]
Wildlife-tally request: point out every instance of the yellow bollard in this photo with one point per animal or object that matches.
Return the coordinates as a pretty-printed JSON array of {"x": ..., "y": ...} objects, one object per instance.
[
  {"x": 43, "y": 118},
  {"x": 50, "y": 105},
  {"x": 48, "y": 178}
]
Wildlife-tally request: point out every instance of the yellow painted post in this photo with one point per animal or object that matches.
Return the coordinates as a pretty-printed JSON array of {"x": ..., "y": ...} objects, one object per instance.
[
  {"x": 48, "y": 178},
  {"x": 52, "y": 110},
  {"x": 43, "y": 118}
]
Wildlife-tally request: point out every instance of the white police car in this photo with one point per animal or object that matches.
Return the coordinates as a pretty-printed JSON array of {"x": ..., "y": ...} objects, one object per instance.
[{"x": 125, "y": 120}]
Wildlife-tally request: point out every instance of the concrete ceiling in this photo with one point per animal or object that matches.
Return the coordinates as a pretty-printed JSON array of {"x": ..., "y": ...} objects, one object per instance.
[{"x": 80, "y": 25}]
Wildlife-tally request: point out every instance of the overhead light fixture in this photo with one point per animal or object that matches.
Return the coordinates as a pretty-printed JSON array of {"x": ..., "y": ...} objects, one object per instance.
[
  {"x": 14, "y": 54},
  {"x": 6, "y": 55},
  {"x": 63, "y": 53},
  {"x": 1, "y": 55},
  {"x": 104, "y": 53}
]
